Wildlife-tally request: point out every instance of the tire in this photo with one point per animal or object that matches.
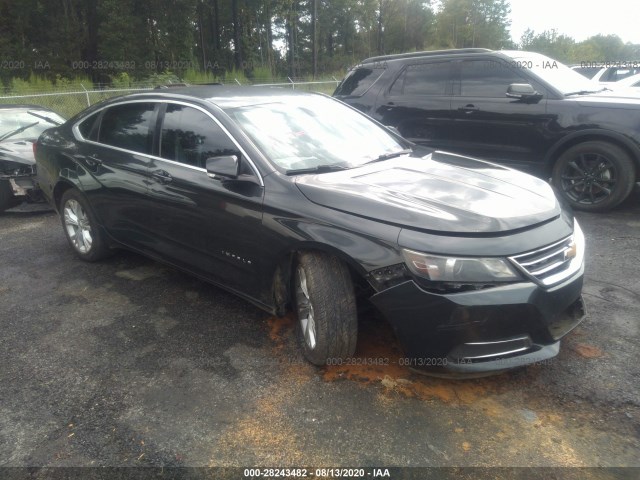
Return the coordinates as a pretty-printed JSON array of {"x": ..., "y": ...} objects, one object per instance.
[
  {"x": 325, "y": 308},
  {"x": 6, "y": 195},
  {"x": 80, "y": 227},
  {"x": 594, "y": 176}
]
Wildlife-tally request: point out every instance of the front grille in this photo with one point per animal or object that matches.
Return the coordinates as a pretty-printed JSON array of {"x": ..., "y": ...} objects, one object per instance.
[{"x": 551, "y": 264}]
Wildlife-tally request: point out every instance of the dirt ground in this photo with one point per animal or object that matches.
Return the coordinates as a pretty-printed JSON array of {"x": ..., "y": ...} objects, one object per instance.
[{"x": 130, "y": 363}]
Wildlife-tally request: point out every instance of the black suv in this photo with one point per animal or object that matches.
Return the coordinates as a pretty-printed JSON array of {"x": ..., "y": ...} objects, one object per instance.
[{"x": 512, "y": 107}]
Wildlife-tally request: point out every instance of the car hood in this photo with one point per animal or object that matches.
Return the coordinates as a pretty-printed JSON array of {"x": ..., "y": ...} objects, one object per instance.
[
  {"x": 609, "y": 99},
  {"x": 440, "y": 192},
  {"x": 19, "y": 152}
]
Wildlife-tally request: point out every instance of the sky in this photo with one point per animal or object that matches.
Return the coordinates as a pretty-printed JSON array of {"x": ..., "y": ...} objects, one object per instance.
[{"x": 579, "y": 19}]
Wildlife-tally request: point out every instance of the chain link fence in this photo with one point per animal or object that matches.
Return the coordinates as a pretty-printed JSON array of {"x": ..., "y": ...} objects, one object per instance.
[{"x": 70, "y": 100}]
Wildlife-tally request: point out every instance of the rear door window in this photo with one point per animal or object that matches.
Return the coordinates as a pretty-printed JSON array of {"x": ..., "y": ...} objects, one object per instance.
[
  {"x": 89, "y": 127},
  {"x": 129, "y": 126},
  {"x": 427, "y": 79}
]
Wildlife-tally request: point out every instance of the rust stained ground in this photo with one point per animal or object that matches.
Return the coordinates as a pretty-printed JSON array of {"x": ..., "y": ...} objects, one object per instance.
[
  {"x": 153, "y": 367},
  {"x": 504, "y": 420}
]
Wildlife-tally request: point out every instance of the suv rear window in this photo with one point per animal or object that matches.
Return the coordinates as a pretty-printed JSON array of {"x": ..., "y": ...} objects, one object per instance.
[{"x": 358, "y": 81}]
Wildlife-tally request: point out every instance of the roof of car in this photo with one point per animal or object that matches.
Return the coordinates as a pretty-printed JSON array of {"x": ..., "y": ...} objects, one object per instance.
[
  {"x": 224, "y": 96},
  {"x": 431, "y": 53}
]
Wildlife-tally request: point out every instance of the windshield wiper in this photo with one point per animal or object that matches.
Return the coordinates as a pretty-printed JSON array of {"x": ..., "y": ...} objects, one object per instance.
[
  {"x": 387, "y": 156},
  {"x": 45, "y": 118},
  {"x": 316, "y": 169},
  {"x": 17, "y": 131}
]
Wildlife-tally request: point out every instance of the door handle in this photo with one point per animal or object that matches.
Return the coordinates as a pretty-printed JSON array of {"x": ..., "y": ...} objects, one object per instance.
[
  {"x": 470, "y": 108},
  {"x": 162, "y": 176}
]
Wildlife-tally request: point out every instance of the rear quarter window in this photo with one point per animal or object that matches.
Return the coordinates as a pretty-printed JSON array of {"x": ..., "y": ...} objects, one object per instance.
[
  {"x": 358, "y": 81},
  {"x": 88, "y": 127}
]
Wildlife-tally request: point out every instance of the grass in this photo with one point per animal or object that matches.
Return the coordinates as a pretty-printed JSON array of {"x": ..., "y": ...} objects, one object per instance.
[{"x": 70, "y": 96}]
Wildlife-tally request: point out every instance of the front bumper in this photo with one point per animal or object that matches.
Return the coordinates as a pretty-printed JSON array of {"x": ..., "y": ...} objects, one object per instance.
[{"x": 483, "y": 330}]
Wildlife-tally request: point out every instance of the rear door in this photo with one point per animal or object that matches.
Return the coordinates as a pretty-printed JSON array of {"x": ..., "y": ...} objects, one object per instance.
[
  {"x": 418, "y": 103},
  {"x": 116, "y": 154}
]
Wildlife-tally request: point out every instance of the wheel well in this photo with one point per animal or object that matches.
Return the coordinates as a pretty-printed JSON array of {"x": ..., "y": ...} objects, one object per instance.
[
  {"x": 594, "y": 138},
  {"x": 283, "y": 275},
  {"x": 58, "y": 192}
]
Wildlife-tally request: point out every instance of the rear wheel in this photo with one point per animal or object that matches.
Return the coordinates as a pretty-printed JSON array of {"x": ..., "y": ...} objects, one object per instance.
[
  {"x": 594, "y": 176},
  {"x": 325, "y": 307},
  {"x": 81, "y": 228}
]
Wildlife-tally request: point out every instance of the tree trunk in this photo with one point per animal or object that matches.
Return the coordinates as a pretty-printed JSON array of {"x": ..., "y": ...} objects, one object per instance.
[
  {"x": 314, "y": 37},
  {"x": 291, "y": 40},
  {"x": 380, "y": 31},
  {"x": 215, "y": 27},
  {"x": 267, "y": 25},
  {"x": 91, "y": 47},
  {"x": 202, "y": 41},
  {"x": 237, "y": 35}
]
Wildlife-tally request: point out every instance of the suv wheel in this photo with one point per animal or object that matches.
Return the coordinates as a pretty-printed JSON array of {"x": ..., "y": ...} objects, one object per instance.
[
  {"x": 325, "y": 307},
  {"x": 81, "y": 228},
  {"x": 594, "y": 176}
]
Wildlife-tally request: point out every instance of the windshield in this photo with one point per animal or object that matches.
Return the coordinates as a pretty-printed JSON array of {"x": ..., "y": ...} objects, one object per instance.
[
  {"x": 307, "y": 132},
  {"x": 36, "y": 121},
  {"x": 557, "y": 74}
]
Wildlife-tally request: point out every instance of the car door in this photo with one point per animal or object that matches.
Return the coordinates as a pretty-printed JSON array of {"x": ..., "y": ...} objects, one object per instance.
[
  {"x": 418, "y": 104},
  {"x": 116, "y": 154},
  {"x": 206, "y": 225},
  {"x": 490, "y": 125}
]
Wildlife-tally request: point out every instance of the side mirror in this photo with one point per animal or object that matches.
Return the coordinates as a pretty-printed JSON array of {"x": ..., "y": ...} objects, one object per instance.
[
  {"x": 523, "y": 91},
  {"x": 227, "y": 166}
]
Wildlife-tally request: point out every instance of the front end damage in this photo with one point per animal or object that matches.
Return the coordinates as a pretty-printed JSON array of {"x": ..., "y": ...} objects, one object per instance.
[{"x": 18, "y": 183}]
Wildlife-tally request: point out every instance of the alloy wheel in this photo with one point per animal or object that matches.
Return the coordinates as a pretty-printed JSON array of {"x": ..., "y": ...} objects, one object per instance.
[
  {"x": 78, "y": 226},
  {"x": 305, "y": 310},
  {"x": 589, "y": 178}
]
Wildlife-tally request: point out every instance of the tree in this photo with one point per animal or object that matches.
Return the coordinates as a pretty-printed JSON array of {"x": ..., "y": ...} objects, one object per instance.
[
  {"x": 474, "y": 23},
  {"x": 550, "y": 43}
]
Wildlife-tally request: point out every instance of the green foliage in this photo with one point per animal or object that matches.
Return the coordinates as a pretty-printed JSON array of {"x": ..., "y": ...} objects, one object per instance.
[
  {"x": 197, "y": 77},
  {"x": 121, "y": 80},
  {"x": 131, "y": 42},
  {"x": 261, "y": 75},
  {"x": 599, "y": 48},
  {"x": 236, "y": 76},
  {"x": 550, "y": 43},
  {"x": 473, "y": 23}
]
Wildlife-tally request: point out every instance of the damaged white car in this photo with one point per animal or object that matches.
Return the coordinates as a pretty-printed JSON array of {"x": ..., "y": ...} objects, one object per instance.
[{"x": 20, "y": 127}]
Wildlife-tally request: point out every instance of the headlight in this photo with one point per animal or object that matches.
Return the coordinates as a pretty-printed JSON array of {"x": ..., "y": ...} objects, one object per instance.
[{"x": 458, "y": 270}]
